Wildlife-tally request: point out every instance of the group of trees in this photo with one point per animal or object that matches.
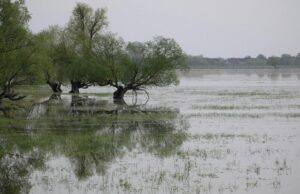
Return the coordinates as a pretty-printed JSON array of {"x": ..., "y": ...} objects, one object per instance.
[
  {"x": 16, "y": 48},
  {"x": 261, "y": 61},
  {"x": 82, "y": 53}
]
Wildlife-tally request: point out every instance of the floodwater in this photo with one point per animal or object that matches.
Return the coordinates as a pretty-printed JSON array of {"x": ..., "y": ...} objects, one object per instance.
[{"x": 230, "y": 131}]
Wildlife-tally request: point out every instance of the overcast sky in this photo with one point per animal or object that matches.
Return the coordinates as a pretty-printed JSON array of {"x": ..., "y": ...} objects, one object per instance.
[{"x": 212, "y": 28}]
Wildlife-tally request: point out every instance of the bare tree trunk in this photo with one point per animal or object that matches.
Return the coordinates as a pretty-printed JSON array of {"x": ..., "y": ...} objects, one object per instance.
[
  {"x": 2, "y": 95},
  {"x": 119, "y": 95},
  {"x": 55, "y": 86},
  {"x": 75, "y": 85}
]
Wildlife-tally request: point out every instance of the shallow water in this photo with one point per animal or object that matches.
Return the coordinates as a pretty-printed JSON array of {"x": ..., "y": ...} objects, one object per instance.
[{"x": 218, "y": 131}]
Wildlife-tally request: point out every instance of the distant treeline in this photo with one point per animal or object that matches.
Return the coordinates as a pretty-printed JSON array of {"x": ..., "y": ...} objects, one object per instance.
[{"x": 285, "y": 61}]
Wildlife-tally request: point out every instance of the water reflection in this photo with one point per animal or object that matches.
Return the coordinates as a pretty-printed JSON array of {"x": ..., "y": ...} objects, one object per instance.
[{"x": 90, "y": 132}]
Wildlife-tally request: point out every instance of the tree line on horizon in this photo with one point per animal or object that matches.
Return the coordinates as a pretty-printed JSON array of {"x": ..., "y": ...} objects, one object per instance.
[
  {"x": 261, "y": 61},
  {"x": 82, "y": 53}
]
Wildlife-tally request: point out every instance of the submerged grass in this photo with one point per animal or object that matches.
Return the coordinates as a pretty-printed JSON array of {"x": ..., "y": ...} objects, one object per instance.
[
  {"x": 229, "y": 93},
  {"x": 242, "y": 94},
  {"x": 244, "y": 115},
  {"x": 229, "y": 107},
  {"x": 228, "y": 115},
  {"x": 217, "y": 136},
  {"x": 204, "y": 153}
]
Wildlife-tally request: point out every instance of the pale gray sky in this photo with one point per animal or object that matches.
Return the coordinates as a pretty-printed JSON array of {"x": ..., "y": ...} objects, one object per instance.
[{"x": 213, "y": 28}]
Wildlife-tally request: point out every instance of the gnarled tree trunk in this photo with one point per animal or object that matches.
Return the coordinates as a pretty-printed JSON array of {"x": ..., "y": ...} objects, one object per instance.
[
  {"x": 75, "y": 85},
  {"x": 119, "y": 95},
  {"x": 55, "y": 86}
]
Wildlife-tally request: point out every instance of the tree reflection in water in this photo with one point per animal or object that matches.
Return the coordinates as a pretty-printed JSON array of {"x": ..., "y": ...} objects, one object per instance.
[{"x": 90, "y": 133}]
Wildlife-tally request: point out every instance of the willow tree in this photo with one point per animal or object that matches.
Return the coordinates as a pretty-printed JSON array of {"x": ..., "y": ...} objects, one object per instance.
[
  {"x": 78, "y": 40},
  {"x": 49, "y": 56},
  {"x": 16, "y": 48},
  {"x": 138, "y": 66}
]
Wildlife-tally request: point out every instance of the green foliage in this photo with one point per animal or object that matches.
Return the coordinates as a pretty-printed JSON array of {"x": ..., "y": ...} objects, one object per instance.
[
  {"x": 16, "y": 48},
  {"x": 14, "y": 32},
  {"x": 81, "y": 53},
  {"x": 109, "y": 51},
  {"x": 139, "y": 65},
  {"x": 152, "y": 63},
  {"x": 68, "y": 53},
  {"x": 79, "y": 37},
  {"x": 48, "y": 54}
]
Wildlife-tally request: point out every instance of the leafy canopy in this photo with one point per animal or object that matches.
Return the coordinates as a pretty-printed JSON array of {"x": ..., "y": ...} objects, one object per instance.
[
  {"x": 138, "y": 65},
  {"x": 84, "y": 27},
  {"x": 16, "y": 48}
]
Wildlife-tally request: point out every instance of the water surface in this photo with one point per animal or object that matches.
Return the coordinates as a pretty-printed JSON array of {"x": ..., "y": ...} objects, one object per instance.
[{"x": 226, "y": 131}]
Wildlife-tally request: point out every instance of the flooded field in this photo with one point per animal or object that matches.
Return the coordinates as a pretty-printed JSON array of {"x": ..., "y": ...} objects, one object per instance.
[{"x": 218, "y": 131}]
